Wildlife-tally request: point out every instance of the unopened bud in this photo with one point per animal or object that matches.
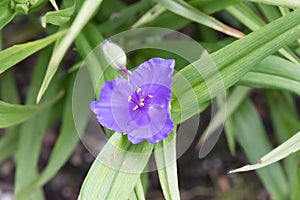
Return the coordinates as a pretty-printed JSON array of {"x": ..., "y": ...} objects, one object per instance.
[{"x": 114, "y": 55}]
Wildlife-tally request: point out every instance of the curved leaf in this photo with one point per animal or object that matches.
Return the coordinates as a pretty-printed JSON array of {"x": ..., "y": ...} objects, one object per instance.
[
  {"x": 285, "y": 149},
  {"x": 86, "y": 12},
  {"x": 248, "y": 129},
  {"x": 6, "y": 14},
  {"x": 183, "y": 9},
  {"x": 12, "y": 114},
  {"x": 234, "y": 60},
  {"x": 106, "y": 177},
  {"x": 11, "y": 56},
  {"x": 283, "y": 3},
  {"x": 165, "y": 157}
]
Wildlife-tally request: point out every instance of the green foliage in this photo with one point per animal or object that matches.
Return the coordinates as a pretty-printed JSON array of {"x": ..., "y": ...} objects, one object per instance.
[{"x": 262, "y": 55}]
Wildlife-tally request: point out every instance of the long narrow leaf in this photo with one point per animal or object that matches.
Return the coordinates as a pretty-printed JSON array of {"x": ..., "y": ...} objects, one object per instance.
[
  {"x": 290, "y": 146},
  {"x": 6, "y": 14},
  {"x": 234, "y": 61},
  {"x": 250, "y": 134},
  {"x": 12, "y": 114},
  {"x": 250, "y": 19},
  {"x": 262, "y": 80},
  {"x": 283, "y": 3},
  {"x": 165, "y": 157},
  {"x": 182, "y": 8},
  {"x": 232, "y": 103},
  {"x": 9, "y": 93},
  {"x": 17, "y": 53},
  {"x": 118, "y": 162},
  {"x": 86, "y": 12}
]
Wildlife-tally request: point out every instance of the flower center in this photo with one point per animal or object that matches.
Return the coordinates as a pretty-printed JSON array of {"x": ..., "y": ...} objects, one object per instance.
[{"x": 139, "y": 99}]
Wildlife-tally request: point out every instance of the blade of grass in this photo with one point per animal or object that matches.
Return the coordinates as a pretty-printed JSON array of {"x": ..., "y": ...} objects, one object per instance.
[
  {"x": 165, "y": 157},
  {"x": 283, "y": 3},
  {"x": 255, "y": 143},
  {"x": 285, "y": 120},
  {"x": 6, "y": 14},
  {"x": 106, "y": 177},
  {"x": 234, "y": 61},
  {"x": 232, "y": 103},
  {"x": 178, "y": 22},
  {"x": 66, "y": 142},
  {"x": 276, "y": 73},
  {"x": 125, "y": 18},
  {"x": 17, "y": 53},
  {"x": 250, "y": 19},
  {"x": 271, "y": 13},
  {"x": 152, "y": 14},
  {"x": 261, "y": 80},
  {"x": 8, "y": 88},
  {"x": 85, "y": 14},
  {"x": 12, "y": 114},
  {"x": 275, "y": 65},
  {"x": 292, "y": 145},
  {"x": 58, "y": 17},
  {"x": 53, "y": 2},
  {"x": 138, "y": 193},
  {"x": 31, "y": 135},
  {"x": 182, "y": 8}
]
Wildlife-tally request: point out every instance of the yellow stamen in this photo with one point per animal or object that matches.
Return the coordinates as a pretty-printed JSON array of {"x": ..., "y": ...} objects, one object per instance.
[
  {"x": 139, "y": 89},
  {"x": 129, "y": 98},
  {"x": 142, "y": 99},
  {"x": 142, "y": 103},
  {"x": 150, "y": 96},
  {"x": 135, "y": 107}
]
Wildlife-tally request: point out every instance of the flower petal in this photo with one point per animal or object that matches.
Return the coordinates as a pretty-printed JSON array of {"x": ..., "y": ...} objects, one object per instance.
[
  {"x": 140, "y": 116},
  {"x": 112, "y": 108},
  {"x": 135, "y": 140},
  {"x": 155, "y": 70},
  {"x": 159, "y": 127},
  {"x": 157, "y": 94}
]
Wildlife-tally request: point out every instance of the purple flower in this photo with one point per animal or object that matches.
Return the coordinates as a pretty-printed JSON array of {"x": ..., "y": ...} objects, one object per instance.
[{"x": 140, "y": 106}]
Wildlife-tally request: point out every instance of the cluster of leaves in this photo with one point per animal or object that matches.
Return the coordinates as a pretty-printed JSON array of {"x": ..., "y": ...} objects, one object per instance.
[{"x": 264, "y": 58}]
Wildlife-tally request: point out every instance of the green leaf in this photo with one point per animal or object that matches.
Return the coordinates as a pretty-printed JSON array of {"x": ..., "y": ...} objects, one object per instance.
[
  {"x": 290, "y": 146},
  {"x": 6, "y": 14},
  {"x": 250, "y": 134},
  {"x": 262, "y": 80},
  {"x": 69, "y": 134},
  {"x": 295, "y": 185},
  {"x": 31, "y": 135},
  {"x": 118, "y": 162},
  {"x": 58, "y": 17},
  {"x": 250, "y": 19},
  {"x": 271, "y": 13},
  {"x": 8, "y": 88},
  {"x": 283, "y": 3},
  {"x": 152, "y": 14},
  {"x": 138, "y": 192},
  {"x": 12, "y": 114},
  {"x": 165, "y": 157},
  {"x": 54, "y": 4},
  {"x": 125, "y": 16},
  {"x": 65, "y": 144},
  {"x": 85, "y": 14},
  {"x": 274, "y": 73},
  {"x": 9, "y": 143},
  {"x": 234, "y": 61},
  {"x": 225, "y": 111},
  {"x": 285, "y": 121},
  {"x": 183, "y": 9},
  {"x": 277, "y": 66},
  {"x": 9, "y": 57}
]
